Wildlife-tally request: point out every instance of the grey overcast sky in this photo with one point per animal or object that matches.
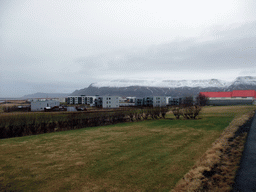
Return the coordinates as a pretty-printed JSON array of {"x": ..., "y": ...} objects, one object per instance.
[{"x": 58, "y": 46}]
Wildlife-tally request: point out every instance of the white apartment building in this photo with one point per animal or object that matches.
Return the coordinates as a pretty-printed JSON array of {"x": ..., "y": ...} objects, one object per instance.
[
  {"x": 90, "y": 100},
  {"x": 159, "y": 101},
  {"x": 131, "y": 99},
  {"x": 173, "y": 101},
  {"x": 107, "y": 102},
  {"x": 87, "y": 100},
  {"x": 74, "y": 100}
]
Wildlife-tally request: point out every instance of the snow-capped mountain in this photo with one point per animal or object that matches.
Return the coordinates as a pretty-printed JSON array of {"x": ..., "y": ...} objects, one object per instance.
[
  {"x": 247, "y": 80},
  {"x": 162, "y": 83},
  {"x": 142, "y": 88}
]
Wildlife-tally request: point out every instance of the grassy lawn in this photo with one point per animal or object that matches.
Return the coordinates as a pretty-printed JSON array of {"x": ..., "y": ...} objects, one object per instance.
[{"x": 149, "y": 155}]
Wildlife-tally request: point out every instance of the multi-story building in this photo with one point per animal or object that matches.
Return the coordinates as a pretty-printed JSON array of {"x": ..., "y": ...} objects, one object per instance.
[
  {"x": 74, "y": 100},
  {"x": 126, "y": 101},
  {"x": 139, "y": 101},
  {"x": 87, "y": 100},
  {"x": 131, "y": 99},
  {"x": 148, "y": 101},
  {"x": 90, "y": 100},
  {"x": 154, "y": 101},
  {"x": 107, "y": 101},
  {"x": 174, "y": 101},
  {"x": 116, "y": 101},
  {"x": 159, "y": 101}
]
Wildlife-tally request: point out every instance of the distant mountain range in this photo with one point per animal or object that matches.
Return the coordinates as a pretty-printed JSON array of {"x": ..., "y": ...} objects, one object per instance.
[
  {"x": 141, "y": 88},
  {"x": 45, "y": 95}
]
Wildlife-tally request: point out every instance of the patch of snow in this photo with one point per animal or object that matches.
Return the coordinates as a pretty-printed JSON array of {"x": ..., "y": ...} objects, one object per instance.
[{"x": 149, "y": 90}]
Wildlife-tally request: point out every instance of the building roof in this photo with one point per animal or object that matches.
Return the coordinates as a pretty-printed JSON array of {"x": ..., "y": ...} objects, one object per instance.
[
  {"x": 217, "y": 94},
  {"x": 235, "y": 93},
  {"x": 244, "y": 93}
]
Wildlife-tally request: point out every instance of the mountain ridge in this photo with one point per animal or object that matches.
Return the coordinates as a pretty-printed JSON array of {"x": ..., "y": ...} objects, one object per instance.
[
  {"x": 162, "y": 83},
  {"x": 141, "y": 88},
  {"x": 176, "y": 83},
  {"x": 45, "y": 95}
]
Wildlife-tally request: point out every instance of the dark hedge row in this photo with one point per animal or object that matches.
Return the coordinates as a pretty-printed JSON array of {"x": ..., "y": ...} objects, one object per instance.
[
  {"x": 17, "y": 125},
  {"x": 17, "y": 108}
]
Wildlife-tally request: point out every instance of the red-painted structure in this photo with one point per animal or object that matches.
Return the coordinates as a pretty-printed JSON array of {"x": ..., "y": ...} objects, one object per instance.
[
  {"x": 244, "y": 93},
  {"x": 231, "y": 94},
  {"x": 217, "y": 94}
]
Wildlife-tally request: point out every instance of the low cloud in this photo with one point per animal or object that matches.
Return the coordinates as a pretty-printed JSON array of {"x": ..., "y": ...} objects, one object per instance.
[
  {"x": 230, "y": 49},
  {"x": 222, "y": 52},
  {"x": 21, "y": 88}
]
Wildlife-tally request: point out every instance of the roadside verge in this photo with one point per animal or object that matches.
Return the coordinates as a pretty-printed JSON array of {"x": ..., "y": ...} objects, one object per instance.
[{"x": 216, "y": 169}]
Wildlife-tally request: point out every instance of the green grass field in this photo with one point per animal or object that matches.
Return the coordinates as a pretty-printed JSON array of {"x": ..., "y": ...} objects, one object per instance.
[{"x": 149, "y": 155}]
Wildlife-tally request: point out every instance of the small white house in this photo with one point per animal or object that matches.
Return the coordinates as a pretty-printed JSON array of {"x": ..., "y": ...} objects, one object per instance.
[{"x": 40, "y": 105}]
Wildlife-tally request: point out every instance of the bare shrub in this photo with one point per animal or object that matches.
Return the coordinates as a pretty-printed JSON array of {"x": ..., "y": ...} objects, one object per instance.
[
  {"x": 188, "y": 109},
  {"x": 190, "y": 112},
  {"x": 164, "y": 110},
  {"x": 146, "y": 114},
  {"x": 176, "y": 112},
  {"x": 131, "y": 115},
  {"x": 156, "y": 113}
]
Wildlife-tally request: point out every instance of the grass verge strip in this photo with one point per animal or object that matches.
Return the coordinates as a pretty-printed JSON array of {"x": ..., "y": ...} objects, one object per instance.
[{"x": 216, "y": 169}]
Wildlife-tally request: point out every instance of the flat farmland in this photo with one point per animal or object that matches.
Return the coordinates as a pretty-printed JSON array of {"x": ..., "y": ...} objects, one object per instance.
[{"x": 151, "y": 155}]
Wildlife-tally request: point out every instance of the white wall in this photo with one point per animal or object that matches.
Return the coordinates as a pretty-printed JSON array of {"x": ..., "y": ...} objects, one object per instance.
[
  {"x": 110, "y": 102},
  {"x": 40, "y": 105}
]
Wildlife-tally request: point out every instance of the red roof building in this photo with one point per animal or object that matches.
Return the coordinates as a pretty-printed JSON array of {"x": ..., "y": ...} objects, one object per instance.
[
  {"x": 233, "y": 94},
  {"x": 217, "y": 94},
  {"x": 244, "y": 93}
]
